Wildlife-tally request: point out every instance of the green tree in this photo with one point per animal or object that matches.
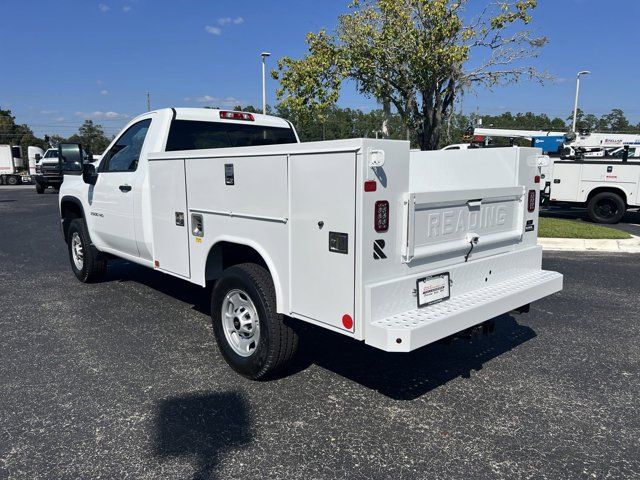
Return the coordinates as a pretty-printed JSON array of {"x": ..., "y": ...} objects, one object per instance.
[
  {"x": 589, "y": 122},
  {"x": 12, "y": 133},
  {"x": 579, "y": 117},
  {"x": 416, "y": 55},
  {"x": 615, "y": 121},
  {"x": 92, "y": 136}
]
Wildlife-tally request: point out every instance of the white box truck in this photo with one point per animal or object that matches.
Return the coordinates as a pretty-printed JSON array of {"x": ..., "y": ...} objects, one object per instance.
[{"x": 363, "y": 237}]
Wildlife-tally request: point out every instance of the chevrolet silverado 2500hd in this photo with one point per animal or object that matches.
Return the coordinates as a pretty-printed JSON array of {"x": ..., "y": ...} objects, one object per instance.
[{"x": 363, "y": 237}]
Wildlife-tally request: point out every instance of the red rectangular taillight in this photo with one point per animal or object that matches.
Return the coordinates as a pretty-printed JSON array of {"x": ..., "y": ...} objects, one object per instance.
[
  {"x": 531, "y": 205},
  {"x": 536, "y": 179},
  {"x": 370, "y": 186},
  {"x": 381, "y": 217},
  {"x": 237, "y": 116}
]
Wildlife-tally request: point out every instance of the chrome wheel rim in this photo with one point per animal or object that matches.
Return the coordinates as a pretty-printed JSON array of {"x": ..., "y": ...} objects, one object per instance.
[
  {"x": 77, "y": 252},
  {"x": 240, "y": 322}
]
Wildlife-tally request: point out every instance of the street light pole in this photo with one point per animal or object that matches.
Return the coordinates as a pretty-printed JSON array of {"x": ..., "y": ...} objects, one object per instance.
[
  {"x": 575, "y": 103},
  {"x": 264, "y": 56}
]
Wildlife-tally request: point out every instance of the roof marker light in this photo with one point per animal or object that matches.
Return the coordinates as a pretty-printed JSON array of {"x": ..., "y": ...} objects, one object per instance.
[{"x": 237, "y": 116}]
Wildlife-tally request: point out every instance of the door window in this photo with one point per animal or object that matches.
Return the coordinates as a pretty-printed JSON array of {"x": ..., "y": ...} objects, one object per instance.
[{"x": 124, "y": 154}]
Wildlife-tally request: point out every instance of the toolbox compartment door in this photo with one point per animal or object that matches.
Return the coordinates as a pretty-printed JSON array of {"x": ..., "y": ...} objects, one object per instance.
[
  {"x": 322, "y": 236},
  {"x": 169, "y": 217}
]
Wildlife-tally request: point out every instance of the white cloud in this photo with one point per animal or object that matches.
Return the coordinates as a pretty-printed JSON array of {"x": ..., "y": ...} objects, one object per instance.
[
  {"x": 220, "y": 101},
  {"x": 213, "y": 30},
  {"x": 104, "y": 92},
  {"x": 98, "y": 115},
  {"x": 126, "y": 8},
  {"x": 48, "y": 112},
  {"x": 228, "y": 20},
  {"x": 104, "y": 8},
  {"x": 222, "y": 22},
  {"x": 59, "y": 119},
  {"x": 99, "y": 82}
]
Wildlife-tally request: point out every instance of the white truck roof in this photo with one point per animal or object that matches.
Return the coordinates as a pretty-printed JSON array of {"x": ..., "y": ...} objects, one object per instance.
[{"x": 213, "y": 114}]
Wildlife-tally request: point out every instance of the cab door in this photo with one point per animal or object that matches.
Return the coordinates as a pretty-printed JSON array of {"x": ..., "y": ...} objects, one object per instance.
[{"x": 111, "y": 199}]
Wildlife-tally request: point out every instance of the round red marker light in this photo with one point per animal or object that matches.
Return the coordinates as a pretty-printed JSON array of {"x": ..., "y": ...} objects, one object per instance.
[{"x": 347, "y": 321}]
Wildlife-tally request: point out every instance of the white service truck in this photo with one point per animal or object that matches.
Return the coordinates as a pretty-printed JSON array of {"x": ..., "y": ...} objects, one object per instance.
[
  {"x": 607, "y": 187},
  {"x": 363, "y": 237}
]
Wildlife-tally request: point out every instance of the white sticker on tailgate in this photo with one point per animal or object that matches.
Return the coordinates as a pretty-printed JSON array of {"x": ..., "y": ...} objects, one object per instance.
[{"x": 433, "y": 289}]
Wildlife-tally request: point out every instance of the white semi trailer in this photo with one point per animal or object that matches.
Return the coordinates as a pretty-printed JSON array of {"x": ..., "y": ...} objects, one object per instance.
[
  {"x": 362, "y": 237},
  {"x": 12, "y": 166}
]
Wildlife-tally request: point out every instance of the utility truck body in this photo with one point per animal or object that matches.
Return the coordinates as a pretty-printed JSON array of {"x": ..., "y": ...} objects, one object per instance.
[
  {"x": 363, "y": 237},
  {"x": 607, "y": 187}
]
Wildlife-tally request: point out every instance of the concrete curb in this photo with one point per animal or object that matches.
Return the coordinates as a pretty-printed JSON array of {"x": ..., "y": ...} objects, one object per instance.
[{"x": 630, "y": 245}]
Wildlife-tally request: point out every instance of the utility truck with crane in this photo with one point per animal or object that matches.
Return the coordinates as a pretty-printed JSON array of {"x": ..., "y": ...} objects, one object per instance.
[
  {"x": 596, "y": 171},
  {"x": 363, "y": 237}
]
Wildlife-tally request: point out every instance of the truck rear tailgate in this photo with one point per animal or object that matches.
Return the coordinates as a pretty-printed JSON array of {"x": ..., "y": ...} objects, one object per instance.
[
  {"x": 467, "y": 243},
  {"x": 448, "y": 222}
]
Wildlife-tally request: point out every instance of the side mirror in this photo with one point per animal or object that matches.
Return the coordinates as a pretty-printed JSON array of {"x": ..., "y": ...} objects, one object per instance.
[
  {"x": 38, "y": 157},
  {"x": 70, "y": 158},
  {"x": 89, "y": 174}
]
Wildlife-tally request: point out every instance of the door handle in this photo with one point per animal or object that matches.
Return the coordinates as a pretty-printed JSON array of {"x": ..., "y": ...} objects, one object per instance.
[{"x": 125, "y": 188}]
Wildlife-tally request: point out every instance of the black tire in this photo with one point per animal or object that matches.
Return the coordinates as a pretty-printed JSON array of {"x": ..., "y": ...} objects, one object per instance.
[
  {"x": 606, "y": 207},
  {"x": 40, "y": 188},
  {"x": 277, "y": 342},
  {"x": 94, "y": 263},
  {"x": 12, "y": 180}
]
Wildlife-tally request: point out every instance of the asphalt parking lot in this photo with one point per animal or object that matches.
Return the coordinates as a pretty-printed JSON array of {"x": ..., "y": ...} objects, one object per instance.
[{"x": 122, "y": 380}]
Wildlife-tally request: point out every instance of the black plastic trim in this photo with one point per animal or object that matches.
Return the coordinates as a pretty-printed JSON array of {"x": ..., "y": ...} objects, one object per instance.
[{"x": 597, "y": 162}]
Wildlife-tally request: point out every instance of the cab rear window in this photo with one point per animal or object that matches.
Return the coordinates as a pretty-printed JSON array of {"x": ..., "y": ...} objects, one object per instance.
[{"x": 195, "y": 135}]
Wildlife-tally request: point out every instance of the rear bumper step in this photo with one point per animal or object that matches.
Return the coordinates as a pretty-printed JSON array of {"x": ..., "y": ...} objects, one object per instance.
[{"x": 410, "y": 330}]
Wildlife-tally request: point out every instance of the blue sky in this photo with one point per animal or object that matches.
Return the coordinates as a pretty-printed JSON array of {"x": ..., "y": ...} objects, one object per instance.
[{"x": 64, "y": 61}]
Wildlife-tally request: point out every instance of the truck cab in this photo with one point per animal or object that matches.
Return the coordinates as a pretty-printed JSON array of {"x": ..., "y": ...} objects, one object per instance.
[
  {"x": 48, "y": 171},
  {"x": 117, "y": 210}
]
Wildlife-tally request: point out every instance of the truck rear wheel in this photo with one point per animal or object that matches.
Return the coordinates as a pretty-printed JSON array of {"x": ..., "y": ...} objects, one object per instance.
[
  {"x": 12, "y": 180},
  {"x": 87, "y": 263},
  {"x": 606, "y": 207},
  {"x": 250, "y": 334}
]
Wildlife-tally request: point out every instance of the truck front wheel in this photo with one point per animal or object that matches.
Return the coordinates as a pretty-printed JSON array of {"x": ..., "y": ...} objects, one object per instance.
[
  {"x": 606, "y": 207},
  {"x": 40, "y": 187},
  {"x": 87, "y": 263},
  {"x": 252, "y": 337},
  {"x": 12, "y": 180}
]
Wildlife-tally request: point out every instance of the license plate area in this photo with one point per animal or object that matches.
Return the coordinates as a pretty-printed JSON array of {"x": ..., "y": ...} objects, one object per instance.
[{"x": 433, "y": 289}]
